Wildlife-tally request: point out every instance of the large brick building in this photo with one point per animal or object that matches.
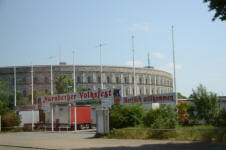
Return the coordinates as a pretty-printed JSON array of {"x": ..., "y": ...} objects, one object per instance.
[{"x": 149, "y": 80}]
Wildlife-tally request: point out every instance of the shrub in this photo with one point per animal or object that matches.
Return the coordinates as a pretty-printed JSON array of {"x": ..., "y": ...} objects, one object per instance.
[
  {"x": 162, "y": 118},
  {"x": 206, "y": 104},
  {"x": 10, "y": 119},
  {"x": 221, "y": 118},
  {"x": 183, "y": 108},
  {"x": 126, "y": 116}
]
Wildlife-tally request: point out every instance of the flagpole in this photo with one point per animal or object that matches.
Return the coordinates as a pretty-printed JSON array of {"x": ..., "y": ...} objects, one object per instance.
[
  {"x": 174, "y": 68},
  {"x": 134, "y": 74},
  {"x": 14, "y": 85},
  {"x": 32, "y": 96},
  {"x": 75, "y": 118}
]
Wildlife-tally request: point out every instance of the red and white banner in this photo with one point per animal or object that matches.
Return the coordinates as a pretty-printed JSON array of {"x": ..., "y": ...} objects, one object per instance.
[
  {"x": 157, "y": 98},
  {"x": 80, "y": 96}
]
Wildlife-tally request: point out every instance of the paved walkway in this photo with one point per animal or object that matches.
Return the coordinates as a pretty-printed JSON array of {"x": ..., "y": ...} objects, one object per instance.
[{"x": 84, "y": 140}]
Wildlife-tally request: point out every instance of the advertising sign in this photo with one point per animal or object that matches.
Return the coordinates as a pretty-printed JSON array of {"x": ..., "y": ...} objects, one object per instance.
[
  {"x": 76, "y": 97},
  {"x": 156, "y": 98}
]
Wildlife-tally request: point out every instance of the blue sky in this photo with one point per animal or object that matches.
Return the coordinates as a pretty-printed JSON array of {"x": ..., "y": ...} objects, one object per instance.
[{"x": 33, "y": 30}]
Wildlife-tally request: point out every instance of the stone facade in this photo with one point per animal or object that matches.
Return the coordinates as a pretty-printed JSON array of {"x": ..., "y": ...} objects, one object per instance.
[{"x": 148, "y": 80}]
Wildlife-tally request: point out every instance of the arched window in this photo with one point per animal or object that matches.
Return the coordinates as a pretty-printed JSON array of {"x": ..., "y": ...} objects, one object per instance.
[
  {"x": 99, "y": 79},
  {"x": 78, "y": 79},
  {"x": 108, "y": 79},
  {"x": 89, "y": 79},
  {"x": 140, "y": 80},
  {"x": 127, "y": 91},
  {"x": 117, "y": 80},
  {"x": 147, "y": 91},
  {"x": 125, "y": 80}
]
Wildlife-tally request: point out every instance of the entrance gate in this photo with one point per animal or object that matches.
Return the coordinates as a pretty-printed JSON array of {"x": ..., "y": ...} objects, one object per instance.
[
  {"x": 53, "y": 103},
  {"x": 107, "y": 98}
]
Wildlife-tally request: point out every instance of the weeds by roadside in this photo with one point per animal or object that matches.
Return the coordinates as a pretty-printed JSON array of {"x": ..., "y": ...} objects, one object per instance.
[{"x": 194, "y": 133}]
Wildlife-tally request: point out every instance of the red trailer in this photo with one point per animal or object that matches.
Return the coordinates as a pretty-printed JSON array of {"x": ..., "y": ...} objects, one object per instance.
[{"x": 83, "y": 117}]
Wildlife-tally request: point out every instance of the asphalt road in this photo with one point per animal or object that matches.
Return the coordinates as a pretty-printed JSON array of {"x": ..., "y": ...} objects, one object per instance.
[{"x": 84, "y": 140}]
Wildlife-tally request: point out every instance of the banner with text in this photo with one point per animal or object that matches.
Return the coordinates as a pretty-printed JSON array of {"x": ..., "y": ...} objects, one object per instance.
[{"x": 155, "y": 98}]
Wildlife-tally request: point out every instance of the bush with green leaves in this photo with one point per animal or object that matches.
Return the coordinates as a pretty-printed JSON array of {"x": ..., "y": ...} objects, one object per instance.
[
  {"x": 206, "y": 104},
  {"x": 10, "y": 119},
  {"x": 126, "y": 116},
  {"x": 221, "y": 118},
  {"x": 163, "y": 118}
]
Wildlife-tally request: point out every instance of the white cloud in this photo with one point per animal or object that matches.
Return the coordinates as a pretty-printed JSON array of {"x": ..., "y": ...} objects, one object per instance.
[
  {"x": 169, "y": 67},
  {"x": 136, "y": 63},
  {"x": 158, "y": 55},
  {"x": 144, "y": 27}
]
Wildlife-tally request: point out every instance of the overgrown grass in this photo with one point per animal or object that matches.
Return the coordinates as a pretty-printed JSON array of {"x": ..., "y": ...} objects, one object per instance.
[{"x": 194, "y": 133}]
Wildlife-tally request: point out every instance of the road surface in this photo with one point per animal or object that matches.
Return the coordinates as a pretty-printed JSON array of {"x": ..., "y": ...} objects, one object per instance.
[{"x": 84, "y": 140}]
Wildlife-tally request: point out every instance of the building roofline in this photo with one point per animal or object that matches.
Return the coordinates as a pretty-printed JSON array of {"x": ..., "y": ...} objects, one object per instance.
[{"x": 127, "y": 67}]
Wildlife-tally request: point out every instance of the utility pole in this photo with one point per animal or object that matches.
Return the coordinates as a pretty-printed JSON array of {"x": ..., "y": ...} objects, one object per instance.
[
  {"x": 32, "y": 96},
  {"x": 75, "y": 121},
  {"x": 174, "y": 68},
  {"x": 134, "y": 74},
  {"x": 51, "y": 78},
  {"x": 14, "y": 85}
]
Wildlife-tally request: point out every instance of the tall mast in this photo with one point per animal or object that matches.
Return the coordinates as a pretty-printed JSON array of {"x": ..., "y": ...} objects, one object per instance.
[
  {"x": 74, "y": 70},
  {"x": 134, "y": 74},
  {"x": 174, "y": 68},
  {"x": 32, "y": 96},
  {"x": 14, "y": 85},
  {"x": 149, "y": 60},
  {"x": 101, "y": 67}
]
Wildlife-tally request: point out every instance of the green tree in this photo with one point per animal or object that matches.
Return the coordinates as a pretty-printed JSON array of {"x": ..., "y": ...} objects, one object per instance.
[
  {"x": 4, "y": 95},
  {"x": 36, "y": 95},
  {"x": 220, "y": 8},
  {"x": 82, "y": 89},
  {"x": 64, "y": 84},
  {"x": 180, "y": 96},
  {"x": 206, "y": 104},
  {"x": 3, "y": 107}
]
